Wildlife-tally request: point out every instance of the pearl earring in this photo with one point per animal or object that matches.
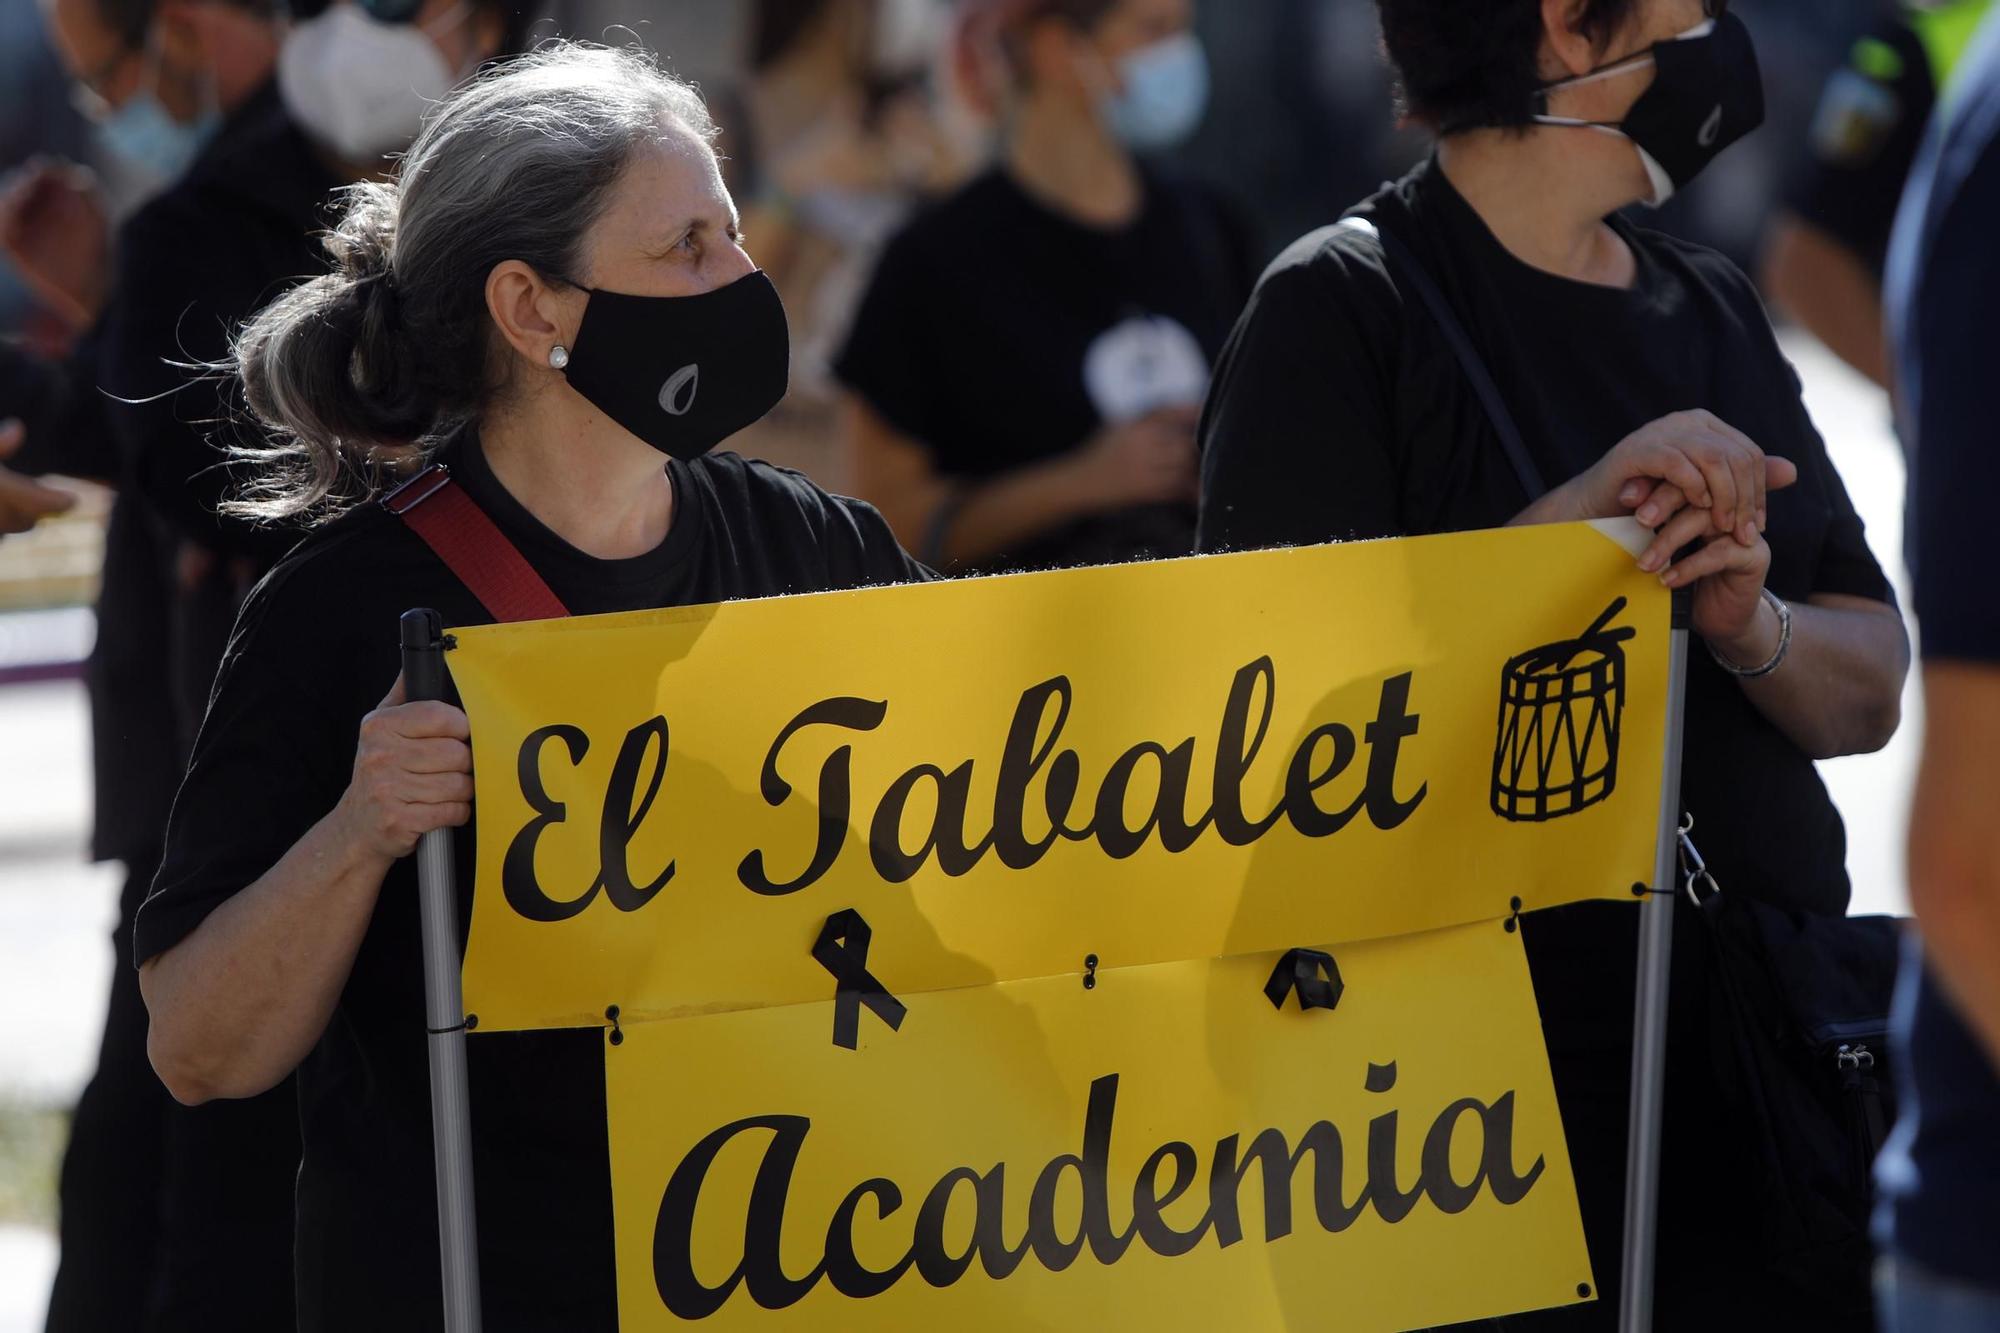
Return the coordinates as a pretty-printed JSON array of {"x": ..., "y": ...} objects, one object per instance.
[{"x": 558, "y": 356}]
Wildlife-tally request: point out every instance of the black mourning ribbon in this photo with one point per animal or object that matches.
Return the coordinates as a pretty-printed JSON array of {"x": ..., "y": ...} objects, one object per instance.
[
  {"x": 842, "y": 949},
  {"x": 1312, "y": 973}
]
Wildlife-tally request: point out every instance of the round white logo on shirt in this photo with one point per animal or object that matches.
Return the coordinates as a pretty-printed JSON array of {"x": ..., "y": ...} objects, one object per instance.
[{"x": 1141, "y": 365}]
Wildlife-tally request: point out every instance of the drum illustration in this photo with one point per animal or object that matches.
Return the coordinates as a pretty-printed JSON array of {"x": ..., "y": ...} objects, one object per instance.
[{"x": 1560, "y": 710}]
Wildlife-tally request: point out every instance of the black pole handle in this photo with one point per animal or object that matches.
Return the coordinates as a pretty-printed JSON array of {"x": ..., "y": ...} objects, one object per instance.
[
  {"x": 423, "y": 654},
  {"x": 1682, "y": 614}
]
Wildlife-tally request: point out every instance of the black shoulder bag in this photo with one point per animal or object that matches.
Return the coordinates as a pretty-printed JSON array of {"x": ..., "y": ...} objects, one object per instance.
[{"x": 1798, "y": 1003}]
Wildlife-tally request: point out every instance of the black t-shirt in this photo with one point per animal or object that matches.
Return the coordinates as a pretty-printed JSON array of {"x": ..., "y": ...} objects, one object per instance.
[
  {"x": 998, "y": 333},
  {"x": 314, "y": 650},
  {"x": 1863, "y": 140},
  {"x": 1339, "y": 412}
]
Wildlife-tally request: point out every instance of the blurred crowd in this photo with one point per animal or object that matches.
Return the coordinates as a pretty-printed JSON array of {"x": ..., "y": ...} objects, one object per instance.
[{"x": 1015, "y": 242}]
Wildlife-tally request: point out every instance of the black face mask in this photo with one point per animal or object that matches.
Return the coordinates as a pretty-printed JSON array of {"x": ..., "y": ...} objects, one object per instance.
[
  {"x": 684, "y": 373},
  {"x": 1707, "y": 93}
]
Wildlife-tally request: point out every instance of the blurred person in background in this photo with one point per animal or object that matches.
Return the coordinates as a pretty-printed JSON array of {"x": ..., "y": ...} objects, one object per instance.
[
  {"x": 1825, "y": 251},
  {"x": 173, "y": 1218},
  {"x": 142, "y": 1191},
  {"x": 1026, "y": 368},
  {"x": 352, "y": 83},
  {"x": 1646, "y": 380},
  {"x": 37, "y": 118},
  {"x": 24, "y": 501},
  {"x": 1302, "y": 121},
  {"x": 838, "y": 133},
  {"x": 1940, "y": 1174}
]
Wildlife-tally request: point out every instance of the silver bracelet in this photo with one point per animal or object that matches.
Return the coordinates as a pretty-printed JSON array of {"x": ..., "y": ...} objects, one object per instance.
[{"x": 1784, "y": 643}]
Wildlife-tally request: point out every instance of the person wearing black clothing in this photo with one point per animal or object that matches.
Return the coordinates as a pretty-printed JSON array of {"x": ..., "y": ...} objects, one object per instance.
[
  {"x": 559, "y": 244},
  {"x": 193, "y": 263},
  {"x": 24, "y": 501},
  {"x": 203, "y": 257},
  {"x": 1025, "y": 367},
  {"x": 1825, "y": 251},
  {"x": 168, "y": 1218},
  {"x": 1646, "y": 380},
  {"x": 1940, "y": 1172}
]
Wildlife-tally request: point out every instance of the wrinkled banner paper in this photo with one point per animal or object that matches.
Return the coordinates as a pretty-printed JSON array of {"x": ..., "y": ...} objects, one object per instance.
[{"x": 1079, "y": 820}]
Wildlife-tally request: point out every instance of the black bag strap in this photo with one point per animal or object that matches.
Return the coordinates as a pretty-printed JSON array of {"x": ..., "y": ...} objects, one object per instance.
[{"x": 1405, "y": 266}]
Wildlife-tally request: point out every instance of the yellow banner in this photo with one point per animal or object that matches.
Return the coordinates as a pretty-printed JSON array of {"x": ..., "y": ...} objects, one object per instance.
[
  {"x": 1182, "y": 760},
  {"x": 1163, "y": 1150}
]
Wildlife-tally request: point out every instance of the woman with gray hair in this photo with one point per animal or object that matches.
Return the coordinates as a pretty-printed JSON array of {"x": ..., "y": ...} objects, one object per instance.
[{"x": 551, "y": 296}]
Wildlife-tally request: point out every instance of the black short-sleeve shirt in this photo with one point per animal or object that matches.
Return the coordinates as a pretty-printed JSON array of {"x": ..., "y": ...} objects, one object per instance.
[
  {"x": 1338, "y": 412},
  {"x": 999, "y": 333},
  {"x": 314, "y": 650}
]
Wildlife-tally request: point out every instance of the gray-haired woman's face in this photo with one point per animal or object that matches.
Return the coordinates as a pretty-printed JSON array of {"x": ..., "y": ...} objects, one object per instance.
[{"x": 670, "y": 228}]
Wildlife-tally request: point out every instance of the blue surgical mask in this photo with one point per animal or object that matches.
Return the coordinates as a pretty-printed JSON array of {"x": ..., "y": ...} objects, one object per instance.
[
  {"x": 1165, "y": 93},
  {"x": 144, "y": 133}
]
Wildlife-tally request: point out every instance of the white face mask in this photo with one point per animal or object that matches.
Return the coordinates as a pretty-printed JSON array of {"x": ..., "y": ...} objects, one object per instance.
[
  {"x": 359, "y": 86},
  {"x": 904, "y": 35}
]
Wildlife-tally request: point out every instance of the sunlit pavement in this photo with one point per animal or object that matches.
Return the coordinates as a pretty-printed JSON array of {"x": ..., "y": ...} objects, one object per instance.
[
  {"x": 56, "y": 915},
  {"x": 56, "y": 912},
  {"x": 1872, "y": 791},
  {"x": 27, "y": 1267}
]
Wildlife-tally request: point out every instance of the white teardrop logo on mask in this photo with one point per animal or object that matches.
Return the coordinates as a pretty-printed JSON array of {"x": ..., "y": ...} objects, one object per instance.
[
  {"x": 1710, "y": 127},
  {"x": 677, "y": 394}
]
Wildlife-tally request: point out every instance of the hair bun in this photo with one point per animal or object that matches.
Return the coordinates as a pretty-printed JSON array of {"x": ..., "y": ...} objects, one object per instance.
[{"x": 383, "y": 310}]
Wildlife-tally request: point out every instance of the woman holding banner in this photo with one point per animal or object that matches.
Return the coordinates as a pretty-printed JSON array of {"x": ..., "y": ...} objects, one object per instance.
[
  {"x": 1645, "y": 380},
  {"x": 524, "y": 305}
]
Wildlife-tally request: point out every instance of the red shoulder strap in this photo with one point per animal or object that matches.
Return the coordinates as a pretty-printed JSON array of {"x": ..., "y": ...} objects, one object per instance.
[{"x": 472, "y": 546}]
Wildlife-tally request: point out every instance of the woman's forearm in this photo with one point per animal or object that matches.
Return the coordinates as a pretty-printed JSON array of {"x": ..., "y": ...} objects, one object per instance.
[
  {"x": 237, "y": 1004},
  {"x": 1840, "y": 688},
  {"x": 1000, "y": 513},
  {"x": 1829, "y": 289},
  {"x": 945, "y": 520}
]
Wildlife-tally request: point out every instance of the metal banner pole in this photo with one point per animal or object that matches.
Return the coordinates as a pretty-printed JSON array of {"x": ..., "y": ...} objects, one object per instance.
[
  {"x": 1649, "y": 1022},
  {"x": 444, "y": 1012}
]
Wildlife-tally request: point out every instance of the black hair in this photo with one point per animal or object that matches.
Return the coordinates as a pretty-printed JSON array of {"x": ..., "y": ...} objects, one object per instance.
[
  {"x": 516, "y": 20},
  {"x": 777, "y": 26},
  {"x": 1083, "y": 15},
  {"x": 1466, "y": 63},
  {"x": 130, "y": 20}
]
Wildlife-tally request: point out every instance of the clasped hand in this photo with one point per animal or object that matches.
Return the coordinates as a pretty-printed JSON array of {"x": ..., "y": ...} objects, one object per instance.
[{"x": 1700, "y": 485}]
